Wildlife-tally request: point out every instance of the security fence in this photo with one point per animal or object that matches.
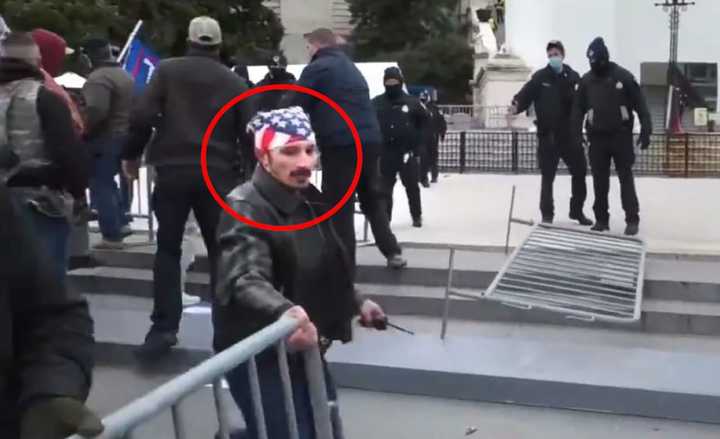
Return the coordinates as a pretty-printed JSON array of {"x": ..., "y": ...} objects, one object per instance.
[
  {"x": 683, "y": 155},
  {"x": 125, "y": 423}
]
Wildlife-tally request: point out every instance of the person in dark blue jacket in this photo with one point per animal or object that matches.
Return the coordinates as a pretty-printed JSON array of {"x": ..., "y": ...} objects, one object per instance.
[{"x": 332, "y": 73}]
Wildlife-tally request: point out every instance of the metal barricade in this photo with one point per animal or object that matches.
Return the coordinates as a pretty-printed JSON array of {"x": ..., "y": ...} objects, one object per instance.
[
  {"x": 123, "y": 424},
  {"x": 141, "y": 207}
]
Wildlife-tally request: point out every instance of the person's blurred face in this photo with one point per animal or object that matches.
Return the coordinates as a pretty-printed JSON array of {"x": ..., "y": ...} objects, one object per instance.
[
  {"x": 392, "y": 81},
  {"x": 555, "y": 52},
  {"x": 292, "y": 165},
  {"x": 312, "y": 49}
]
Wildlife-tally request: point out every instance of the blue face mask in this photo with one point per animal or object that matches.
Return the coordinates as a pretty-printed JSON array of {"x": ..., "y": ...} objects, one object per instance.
[{"x": 556, "y": 63}]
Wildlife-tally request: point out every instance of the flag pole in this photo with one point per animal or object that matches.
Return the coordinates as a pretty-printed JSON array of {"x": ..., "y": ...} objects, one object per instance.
[{"x": 129, "y": 41}]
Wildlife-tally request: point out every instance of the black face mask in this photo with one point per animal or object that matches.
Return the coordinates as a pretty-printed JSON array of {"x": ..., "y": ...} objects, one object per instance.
[
  {"x": 394, "y": 91},
  {"x": 600, "y": 67}
]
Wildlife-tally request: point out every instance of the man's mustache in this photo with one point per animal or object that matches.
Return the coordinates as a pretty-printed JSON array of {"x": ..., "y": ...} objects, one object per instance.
[{"x": 303, "y": 172}]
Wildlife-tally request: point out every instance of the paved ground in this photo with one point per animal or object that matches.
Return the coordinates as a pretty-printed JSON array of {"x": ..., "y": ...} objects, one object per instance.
[
  {"x": 379, "y": 415},
  {"x": 677, "y": 215}
]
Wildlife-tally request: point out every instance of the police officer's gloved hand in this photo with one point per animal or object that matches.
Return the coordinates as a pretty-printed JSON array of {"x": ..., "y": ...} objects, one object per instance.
[
  {"x": 58, "y": 418},
  {"x": 644, "y": 141}
]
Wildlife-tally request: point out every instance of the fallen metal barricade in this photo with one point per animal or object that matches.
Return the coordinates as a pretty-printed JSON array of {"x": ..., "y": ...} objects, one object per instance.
[
  {"x": 583, "y": 274},
  {"x": 123, "y": 423},
  {"x": 587, "y": 275}
]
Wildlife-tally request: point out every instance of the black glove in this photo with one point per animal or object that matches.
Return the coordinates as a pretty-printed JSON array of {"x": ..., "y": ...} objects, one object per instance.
[
  {"x": 58, "y": 418},
  {"x": 644, "y": 141}
]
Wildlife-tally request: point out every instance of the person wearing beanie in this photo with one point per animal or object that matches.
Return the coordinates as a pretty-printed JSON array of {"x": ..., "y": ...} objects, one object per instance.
[
  {"x": 403, "y": 121},
  {"x": 53, "y": 50},
  {"x": 551, "y": 90},
  {"x": 41, "y": 160},
  {"x": 333, "y": 73},
  {"x": 183, "y": 96},
  {"x": 607, "y": 98},
  {"x": 277, "y": 74},
  {"x": 263, "y": 276}
]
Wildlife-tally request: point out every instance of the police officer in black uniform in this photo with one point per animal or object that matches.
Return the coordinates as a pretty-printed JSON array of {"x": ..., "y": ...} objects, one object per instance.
[
  {"x": 552, "y": 90},
  {"x": 277, "y": 74},
  {"x": 608, "y": 95},
  {"x": 434, "y": 132},
  {"x": 402, "y": 121}
]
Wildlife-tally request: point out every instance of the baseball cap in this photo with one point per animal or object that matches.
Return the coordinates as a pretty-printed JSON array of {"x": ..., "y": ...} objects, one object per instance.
[{"x": 205, "y": 31}]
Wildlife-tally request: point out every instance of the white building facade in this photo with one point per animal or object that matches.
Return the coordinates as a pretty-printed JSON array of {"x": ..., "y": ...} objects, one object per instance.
[
  {"x": 302, "y": 16},
  {"x": 635, "y": 31}
]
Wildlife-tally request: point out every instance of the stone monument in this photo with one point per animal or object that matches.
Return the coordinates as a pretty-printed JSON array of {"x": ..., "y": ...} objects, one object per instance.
[{"x": 498, "y": 75}]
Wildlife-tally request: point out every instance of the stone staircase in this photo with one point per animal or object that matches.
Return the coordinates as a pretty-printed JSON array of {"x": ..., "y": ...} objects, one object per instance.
[{"x": 663, "y": 366}]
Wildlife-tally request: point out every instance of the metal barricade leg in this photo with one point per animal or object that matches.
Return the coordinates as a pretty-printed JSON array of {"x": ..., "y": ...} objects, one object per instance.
[
  {"x": 257, "y": 399},
  {"x": 321, "y": 408},
  {"x": 510, "y": 218},
  {"x": 178, "y": 425},
  {"x": 446, "y": 311},
  {"x": 151, "y": 218},
  {"x": 287, "y": 391},
  {"x": 223, "y": 422}
]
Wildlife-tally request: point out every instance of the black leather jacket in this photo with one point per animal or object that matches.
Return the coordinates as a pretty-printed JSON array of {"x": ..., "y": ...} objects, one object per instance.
[{"x": 261, "y": 274}]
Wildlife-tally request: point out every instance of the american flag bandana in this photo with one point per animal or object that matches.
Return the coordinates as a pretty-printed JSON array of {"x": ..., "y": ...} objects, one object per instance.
[{"x": 275, "y": 129}]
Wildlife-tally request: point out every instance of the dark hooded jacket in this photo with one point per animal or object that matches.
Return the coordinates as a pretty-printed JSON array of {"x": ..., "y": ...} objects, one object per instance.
[{"x": 46, "y": 341}]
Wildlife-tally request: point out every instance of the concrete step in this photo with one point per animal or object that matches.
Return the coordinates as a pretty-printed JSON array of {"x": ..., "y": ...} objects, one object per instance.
[
  {"x": 659, "y": 315},
  {"x": 667, "y": 277},
  {"x": 414, "y": 417},
  {"x": 619, "y": 372}
]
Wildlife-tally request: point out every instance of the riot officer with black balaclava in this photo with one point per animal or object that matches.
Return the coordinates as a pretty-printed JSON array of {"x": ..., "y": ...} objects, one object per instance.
[
  {"x": 608, "y": 95},
  {"x": 434, "y": 132},
  {"x": 277, "y": 74},
  {"x": 402, "y": 122}
]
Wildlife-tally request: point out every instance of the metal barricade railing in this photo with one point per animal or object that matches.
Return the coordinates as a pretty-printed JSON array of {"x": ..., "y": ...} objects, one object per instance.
[
  {"x": 142, "y": 190},
  {"x": 683, "y": 155},
  {"x": 141, "y": 207},
  {"x": 450, "y": 110},
  {"x": 123, "y": 424}
]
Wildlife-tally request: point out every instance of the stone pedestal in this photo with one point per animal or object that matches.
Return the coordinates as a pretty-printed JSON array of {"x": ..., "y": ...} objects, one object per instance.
[{"x": 498, "y": 79}]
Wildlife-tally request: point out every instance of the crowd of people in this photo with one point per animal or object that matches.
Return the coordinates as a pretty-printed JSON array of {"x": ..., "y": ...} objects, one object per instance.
[
  {"x": 260, "y": 157},
  {"x": 56, "y": 148}
]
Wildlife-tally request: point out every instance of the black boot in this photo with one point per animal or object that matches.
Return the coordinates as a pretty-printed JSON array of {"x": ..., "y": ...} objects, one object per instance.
[
  {"x": 632, "y": 229},
  {"x": 581, "y": 219},
  {"x": 600, "y": 227},
  {"x": 547, "y": 219},
  {"x": 417, "y": 222},
  {"x": 157, "y": 344}
]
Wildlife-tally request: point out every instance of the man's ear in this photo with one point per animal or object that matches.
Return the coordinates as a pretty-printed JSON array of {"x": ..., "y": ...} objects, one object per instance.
[{"x": 265, "y": 161}]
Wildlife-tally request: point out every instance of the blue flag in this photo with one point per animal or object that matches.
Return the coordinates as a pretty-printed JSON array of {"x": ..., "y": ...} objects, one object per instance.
[{"x": 140, "y": 62}]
